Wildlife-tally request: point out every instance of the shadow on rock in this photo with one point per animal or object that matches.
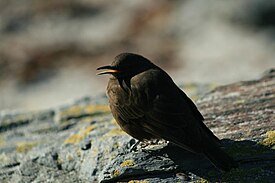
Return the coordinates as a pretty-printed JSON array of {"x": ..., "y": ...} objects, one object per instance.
[
  {"x": 254, "y": 160},
  {"x": 169, "y": 163}
]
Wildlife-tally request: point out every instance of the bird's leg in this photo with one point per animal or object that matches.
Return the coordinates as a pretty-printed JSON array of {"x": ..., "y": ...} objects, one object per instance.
[
  {"x": 152, "y": 142},
  {"x": 144, "y": 145},
  {"x": 134, "y": 145}
]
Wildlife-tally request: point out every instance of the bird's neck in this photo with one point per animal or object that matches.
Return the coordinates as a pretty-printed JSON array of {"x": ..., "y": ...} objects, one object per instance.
[{"x": 125, "y": 84}]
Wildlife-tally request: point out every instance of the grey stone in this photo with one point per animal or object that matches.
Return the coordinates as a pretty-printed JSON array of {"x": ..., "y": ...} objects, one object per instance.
[{"x": 80, "y": 142}]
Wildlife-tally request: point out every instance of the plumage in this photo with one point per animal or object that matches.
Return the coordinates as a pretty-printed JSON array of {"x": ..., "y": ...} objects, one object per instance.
[{"x": 147, "y": 104}]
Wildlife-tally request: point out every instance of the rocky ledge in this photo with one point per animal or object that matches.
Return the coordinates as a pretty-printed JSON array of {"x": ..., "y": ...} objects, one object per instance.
[{"x": 81, "y": 142}]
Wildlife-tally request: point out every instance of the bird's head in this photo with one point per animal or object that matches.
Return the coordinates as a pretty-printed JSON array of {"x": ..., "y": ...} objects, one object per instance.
[{"x": 126, "y": 65}]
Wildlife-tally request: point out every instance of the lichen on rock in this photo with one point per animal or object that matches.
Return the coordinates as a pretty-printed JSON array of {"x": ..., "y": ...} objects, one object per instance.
[
  {"x": 81, "y": 142},
  {"x": 270, "y": 140}
]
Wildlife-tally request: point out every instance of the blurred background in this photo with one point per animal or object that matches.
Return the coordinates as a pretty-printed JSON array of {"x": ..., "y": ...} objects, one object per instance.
[{"x": 49, "y": 50}]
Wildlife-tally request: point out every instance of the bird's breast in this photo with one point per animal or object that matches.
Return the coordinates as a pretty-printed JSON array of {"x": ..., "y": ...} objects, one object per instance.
[{"x": 116, "y": 94}]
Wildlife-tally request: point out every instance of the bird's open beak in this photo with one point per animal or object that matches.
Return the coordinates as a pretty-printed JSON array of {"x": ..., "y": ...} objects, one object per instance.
[{"x": 110, "y": 70}]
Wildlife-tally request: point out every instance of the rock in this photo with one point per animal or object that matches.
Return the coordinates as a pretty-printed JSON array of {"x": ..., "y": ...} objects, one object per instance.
[{"x": 80, "y": 142}]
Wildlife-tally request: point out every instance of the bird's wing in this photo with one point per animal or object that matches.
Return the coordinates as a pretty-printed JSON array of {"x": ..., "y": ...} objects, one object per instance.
[
  {"x": 199, "y": 117},
  {"x": 165, "y": 112},
  {"x": 158, "y": 107},
  {"x": 192, "y": 106},
  {"x": 172, "y": 119}
]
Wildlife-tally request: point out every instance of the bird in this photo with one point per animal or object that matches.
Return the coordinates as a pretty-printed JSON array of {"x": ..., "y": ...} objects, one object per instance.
[{"x": 148, "y": 105}]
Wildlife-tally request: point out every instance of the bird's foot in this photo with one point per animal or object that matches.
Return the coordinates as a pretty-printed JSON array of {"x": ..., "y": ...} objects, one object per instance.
[
  {"x": 133, "y": 145},
  {"x": 146, "y": 145},
  {"x": 152, "y": 145}
]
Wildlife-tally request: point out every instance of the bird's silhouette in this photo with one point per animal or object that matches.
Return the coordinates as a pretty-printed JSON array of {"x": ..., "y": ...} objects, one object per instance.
[{"x": 147, "y": 105}]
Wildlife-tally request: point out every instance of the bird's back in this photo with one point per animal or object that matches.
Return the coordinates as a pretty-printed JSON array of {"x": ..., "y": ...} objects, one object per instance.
[
  {"x": 155, "y": 105},
  {"x": 147, "y": 104}
]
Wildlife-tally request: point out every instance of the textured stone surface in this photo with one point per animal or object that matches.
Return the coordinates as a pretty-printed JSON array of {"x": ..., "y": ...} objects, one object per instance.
[{"x": 80, "y": 142}]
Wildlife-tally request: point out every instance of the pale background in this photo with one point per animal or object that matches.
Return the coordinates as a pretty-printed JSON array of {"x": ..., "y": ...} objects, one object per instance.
[{"x": 49, "y": 50}]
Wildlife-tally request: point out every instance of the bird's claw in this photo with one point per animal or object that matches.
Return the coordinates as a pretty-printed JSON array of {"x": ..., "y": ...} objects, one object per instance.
[{"x": 134, "y": 145}]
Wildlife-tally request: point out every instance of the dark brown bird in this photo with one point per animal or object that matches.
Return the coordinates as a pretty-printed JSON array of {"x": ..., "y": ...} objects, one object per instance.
[{"x": 147, "y": 105}]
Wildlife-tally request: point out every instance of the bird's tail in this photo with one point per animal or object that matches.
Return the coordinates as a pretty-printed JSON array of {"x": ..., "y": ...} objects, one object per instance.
[{"x": 217, "y": 156}]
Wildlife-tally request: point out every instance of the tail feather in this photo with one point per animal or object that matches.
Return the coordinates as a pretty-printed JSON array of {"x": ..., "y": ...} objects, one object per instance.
[
  {"x": 210, "y": 134},
  {"x": 218, "y": 157}
]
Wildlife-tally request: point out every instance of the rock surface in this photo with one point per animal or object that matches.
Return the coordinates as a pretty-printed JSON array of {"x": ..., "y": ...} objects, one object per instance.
[{"x": 80, "y": 142}]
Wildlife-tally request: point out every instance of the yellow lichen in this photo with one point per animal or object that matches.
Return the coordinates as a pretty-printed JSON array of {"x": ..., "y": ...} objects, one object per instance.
[
  {"x": 138, "y": 181},
  {"x": 69, "y": 157},
  {"x": 270, "y": 140},
  {"x": 94, "y": 152},
  {"x": 116, "y": 173},
  {"x": 23, "y": 147},
  {"x": 2, "y": 142},
  {"x": 115, "y": 145},
  {"x": 86, "y": 120},
  {"x": 76, "y": 138},
  {"x": 200, "y": 181},
  {"x": 73, "y": 139},
  {"x": 96, "y": 108},
  {"x": 60, "y": 161},
  {"x": 75, "y": 110},
  {"x": 3, "y": 158},
  {"x": 127, "y": 163},
  {"x": 89, "y": 109},
  {"x": 115, "y": 132},
  {"x": 87, "y": 130},
  {"x": 240, "y": 101},
  {"x": 78, "y": 152}
]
